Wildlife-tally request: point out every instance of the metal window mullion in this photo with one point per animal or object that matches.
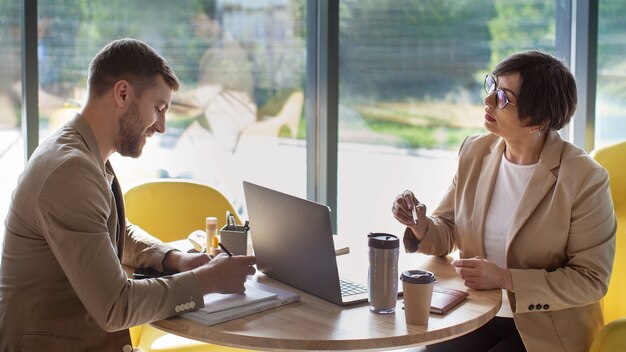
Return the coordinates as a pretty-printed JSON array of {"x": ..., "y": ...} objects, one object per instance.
[
  {"x": 30, "y": 78},
  {"x": 322, "y": 102},
  {"x": 584, "y": 66},
  {"x": 563, "y": 43}
]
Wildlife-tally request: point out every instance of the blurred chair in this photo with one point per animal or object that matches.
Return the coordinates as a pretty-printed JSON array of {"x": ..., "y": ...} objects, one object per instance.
[
  {"x": 613, "y": 336},
  {"x": 170, "y": 209},
  {"x": 288, "y": 115},
  {"x": 612, "y": 158}
]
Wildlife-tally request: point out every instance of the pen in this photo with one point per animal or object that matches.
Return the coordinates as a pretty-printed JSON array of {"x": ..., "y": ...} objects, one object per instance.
[
  {"x": 233, "y": 223},
  {"x": 342, "y": 251},
  {"x": 228, "y": 220},
  {"x": 225, "y": 250},
  {"x": 414, "y": 214}
]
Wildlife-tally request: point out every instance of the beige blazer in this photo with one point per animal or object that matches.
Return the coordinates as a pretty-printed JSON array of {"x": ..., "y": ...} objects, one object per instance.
[
  {"x": 562, "y": 239},
  {"x": 62, "y": 287}
]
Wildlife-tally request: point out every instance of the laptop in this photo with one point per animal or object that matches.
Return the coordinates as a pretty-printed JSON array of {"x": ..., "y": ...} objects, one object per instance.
[{"x": 293, "y": 243}]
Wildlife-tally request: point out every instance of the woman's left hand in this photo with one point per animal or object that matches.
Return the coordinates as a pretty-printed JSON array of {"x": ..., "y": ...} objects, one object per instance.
[{"x": 481, "y": 274}]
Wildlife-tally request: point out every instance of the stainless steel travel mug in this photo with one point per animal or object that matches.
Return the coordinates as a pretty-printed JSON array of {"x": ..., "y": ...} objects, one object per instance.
[{"x": 382, "y": 283}]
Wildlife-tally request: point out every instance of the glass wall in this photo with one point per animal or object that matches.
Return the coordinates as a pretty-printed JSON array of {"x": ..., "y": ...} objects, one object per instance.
[
  {"x": 239, "y": 113},
  {"x": 11, "y": 142},
  {"x": 411, "y": 88},
  {"x": 610, "y": 124},
  {"x": 410, "y": 76}
]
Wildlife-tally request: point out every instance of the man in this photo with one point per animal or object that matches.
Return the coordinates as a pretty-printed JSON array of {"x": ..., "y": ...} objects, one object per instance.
[{"x": 62, "y": 287}]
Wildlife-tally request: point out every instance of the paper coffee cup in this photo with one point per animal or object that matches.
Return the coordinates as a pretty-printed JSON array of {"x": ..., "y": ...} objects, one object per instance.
[{"x": 417, "y": 288}]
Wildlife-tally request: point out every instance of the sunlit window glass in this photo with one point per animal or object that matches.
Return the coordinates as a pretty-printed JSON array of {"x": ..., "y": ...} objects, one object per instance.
[
  {"x": 610, "y": 124},
  {"x": 11, "y": 142},
  {"x": 411, "y": 88},
  {"x": 239, "y": 113}
]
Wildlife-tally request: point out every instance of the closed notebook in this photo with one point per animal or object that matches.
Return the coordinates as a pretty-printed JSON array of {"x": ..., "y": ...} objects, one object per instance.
[
  {"x": 444, "y": 299},
  {"x": 258, "y": 297},
  {"x": 214, "y": 302}
]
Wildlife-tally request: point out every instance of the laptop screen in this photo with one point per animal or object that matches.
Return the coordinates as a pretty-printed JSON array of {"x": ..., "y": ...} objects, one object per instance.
[{"x": 292, "y": 241}]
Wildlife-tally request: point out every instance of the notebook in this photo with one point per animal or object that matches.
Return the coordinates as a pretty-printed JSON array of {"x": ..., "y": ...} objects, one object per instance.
[
  {"x": 259, "y": 297},
  {"x": 293, "y": 243},
  {"x": 215, "y": 302}
]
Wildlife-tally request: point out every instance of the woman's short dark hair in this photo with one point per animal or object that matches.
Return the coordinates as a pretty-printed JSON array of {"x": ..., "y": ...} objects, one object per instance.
[
  {"x": 547, "y": 96},
  {"x": 132, "y": 60}
]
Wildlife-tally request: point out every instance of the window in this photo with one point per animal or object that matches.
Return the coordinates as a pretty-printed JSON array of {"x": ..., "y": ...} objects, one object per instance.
[
  {"x": 11, "y": 143},
  {"x": 239, "y": 113},
  {"x": 610, "y": 124},
  {"x": 410, "y": 78}
]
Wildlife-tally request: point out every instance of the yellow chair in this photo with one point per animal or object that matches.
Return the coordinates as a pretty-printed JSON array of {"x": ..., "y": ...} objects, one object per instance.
[
  {"x": 170, "y": 209},
  {"x": 612, "y": 158},
  {"x": 612, "y": 338}
]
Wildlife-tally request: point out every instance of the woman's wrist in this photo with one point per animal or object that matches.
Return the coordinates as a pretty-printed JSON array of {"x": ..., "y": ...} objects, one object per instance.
[
  {"x": 419, "y": 231},
  {"x": 507, "y": 280}
]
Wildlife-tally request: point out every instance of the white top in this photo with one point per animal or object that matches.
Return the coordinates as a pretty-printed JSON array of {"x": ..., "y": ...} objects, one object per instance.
[{"x": 510, "y": 184}]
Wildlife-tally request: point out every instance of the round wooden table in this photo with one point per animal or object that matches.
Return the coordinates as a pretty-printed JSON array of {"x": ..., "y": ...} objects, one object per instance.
[{"x": 315, "y": 324}]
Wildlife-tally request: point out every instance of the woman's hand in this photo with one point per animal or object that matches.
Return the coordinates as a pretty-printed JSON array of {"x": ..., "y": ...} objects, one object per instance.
[
  {"x": 403, "y": 212},
  {"x": 176, "y": 262},
  {"x": 481, "y": 274}
]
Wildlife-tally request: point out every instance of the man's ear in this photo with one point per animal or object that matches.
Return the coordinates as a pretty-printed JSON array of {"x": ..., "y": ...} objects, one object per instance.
[{"x": 121, "y": 93}]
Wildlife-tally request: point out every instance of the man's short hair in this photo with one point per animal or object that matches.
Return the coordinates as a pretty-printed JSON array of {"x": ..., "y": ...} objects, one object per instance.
[
  {"x": 131, "y": 60},
  {"x": 547, "y": 95}
]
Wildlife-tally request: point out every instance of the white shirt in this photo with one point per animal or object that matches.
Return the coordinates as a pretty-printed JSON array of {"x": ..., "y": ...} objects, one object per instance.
[
  {"x": 507, "y": 192},
  {"x": 511, "y": 182}
]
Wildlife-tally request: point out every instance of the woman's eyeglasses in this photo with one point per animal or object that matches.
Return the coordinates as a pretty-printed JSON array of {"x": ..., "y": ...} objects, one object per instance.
[{"x": 500, "y": 96}]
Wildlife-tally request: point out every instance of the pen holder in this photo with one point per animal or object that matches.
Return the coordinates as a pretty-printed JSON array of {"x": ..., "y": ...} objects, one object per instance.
[{"x": 236, "y": 240}]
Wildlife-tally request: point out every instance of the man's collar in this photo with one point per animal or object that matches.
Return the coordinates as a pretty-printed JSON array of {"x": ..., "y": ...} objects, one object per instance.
[{"x": 80, "y": 124}]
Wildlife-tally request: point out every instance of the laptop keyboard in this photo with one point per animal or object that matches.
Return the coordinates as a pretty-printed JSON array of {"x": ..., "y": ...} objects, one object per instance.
[{"x": 349, "y": 288}]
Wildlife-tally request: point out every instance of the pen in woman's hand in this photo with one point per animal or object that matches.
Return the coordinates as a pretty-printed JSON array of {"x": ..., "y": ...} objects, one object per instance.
[{"x": 225, "y": 250}]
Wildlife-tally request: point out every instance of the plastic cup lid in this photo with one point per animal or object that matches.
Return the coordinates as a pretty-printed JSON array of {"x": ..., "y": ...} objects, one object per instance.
[{"x": 418, "y": 277}]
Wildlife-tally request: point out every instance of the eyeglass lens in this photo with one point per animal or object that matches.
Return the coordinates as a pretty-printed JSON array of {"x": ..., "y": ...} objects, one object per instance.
[{"x": 490, "y": 86}]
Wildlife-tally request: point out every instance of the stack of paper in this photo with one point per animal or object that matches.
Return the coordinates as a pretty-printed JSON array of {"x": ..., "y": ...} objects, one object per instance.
[{"x": 258, "y": 297}]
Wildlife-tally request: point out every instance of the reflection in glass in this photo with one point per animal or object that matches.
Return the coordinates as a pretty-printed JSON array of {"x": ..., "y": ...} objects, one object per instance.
[
  {"x": 11, "y": 142},
  {"x": 411, "y": 87},
  {"x": 239, "y": 112}
]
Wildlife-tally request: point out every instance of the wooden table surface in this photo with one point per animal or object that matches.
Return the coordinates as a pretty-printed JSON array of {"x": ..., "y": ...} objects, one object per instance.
[{"x": 315, "y": 324}]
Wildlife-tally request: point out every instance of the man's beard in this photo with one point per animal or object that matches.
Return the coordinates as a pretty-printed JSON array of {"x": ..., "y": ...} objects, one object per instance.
[{"x": 131, "y": 132}]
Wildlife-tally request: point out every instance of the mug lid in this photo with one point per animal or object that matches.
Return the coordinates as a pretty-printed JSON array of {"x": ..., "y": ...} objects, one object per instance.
[
  {"x": 383, "y": 240},
  {"x": 418, "y": 277}
]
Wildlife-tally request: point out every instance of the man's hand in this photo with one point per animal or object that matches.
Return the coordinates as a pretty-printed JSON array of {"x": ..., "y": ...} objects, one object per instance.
[
  {"x": 225, "y": 274},
  {"x": 481, "y": 274},
  {"x": 175, "y": 261}
]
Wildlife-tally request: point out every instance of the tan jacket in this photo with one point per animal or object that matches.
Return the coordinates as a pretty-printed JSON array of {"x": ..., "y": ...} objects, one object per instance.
[
  {"x": 562, "y": 238},
  {"x": 62, "y": 287}
]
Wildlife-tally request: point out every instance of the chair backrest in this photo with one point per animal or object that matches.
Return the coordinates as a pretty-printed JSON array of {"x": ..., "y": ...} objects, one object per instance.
[
  {"x": 170, "y": 209},
  {"x": 612, "y": 338},
  {"x": 612, "y": 158},
  {"x": 291, "y": 112}
]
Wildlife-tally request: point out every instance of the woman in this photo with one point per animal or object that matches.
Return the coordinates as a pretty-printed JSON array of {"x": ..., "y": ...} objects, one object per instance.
[{"x": 529, "y": 213}]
